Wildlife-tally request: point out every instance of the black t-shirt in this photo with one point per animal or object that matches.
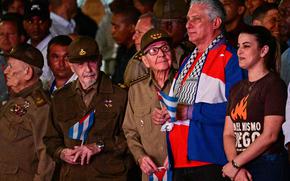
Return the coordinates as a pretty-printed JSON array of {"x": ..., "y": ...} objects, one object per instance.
[{"x": 250, "y": 102}]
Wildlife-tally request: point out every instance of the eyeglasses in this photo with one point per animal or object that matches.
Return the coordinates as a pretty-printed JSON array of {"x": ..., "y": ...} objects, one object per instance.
[{"x": 154, "y": 50}]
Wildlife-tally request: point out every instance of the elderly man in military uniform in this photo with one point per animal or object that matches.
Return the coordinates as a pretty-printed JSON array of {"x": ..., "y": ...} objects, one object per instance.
[
  {"x": 92, "y": 102},
  {"x": 146, "y": 140},
  {"x": 23, "y": 119}
]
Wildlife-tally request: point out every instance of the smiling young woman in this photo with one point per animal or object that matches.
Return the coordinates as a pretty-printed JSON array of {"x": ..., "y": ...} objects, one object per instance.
[{"x": 255, "y": 112}]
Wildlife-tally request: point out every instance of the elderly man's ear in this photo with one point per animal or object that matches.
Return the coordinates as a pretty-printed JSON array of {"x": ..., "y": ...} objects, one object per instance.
[
  {"x": 28, "y": 73},
  {"x": 145, "y": 61}
]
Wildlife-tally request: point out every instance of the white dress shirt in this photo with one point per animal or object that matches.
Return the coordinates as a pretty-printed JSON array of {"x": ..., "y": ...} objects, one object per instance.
[{"x": 61, "y": 26}]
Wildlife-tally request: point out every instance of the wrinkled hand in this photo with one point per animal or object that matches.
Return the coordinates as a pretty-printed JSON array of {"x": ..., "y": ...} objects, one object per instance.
[
  {"x": 85, "y": 152},
  {"x": 147, "y": 165},
  {"x": 68, "y": 155},
  {"x": 160, "y": 116},
  {"x": 229, "y": 171},
  {"x": 183, "y": 112},
  {"x": 243, "y": 175}
]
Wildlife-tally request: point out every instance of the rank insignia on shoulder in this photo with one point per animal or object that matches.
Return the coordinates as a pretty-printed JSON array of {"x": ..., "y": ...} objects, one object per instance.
[
  {"x": 38, "y": 98},
  {"x": 108, "y": 103},
  {"x": 20, "y": 110}
]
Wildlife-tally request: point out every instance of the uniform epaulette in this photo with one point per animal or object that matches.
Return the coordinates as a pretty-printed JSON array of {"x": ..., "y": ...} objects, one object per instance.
[
  {"x": 38, "y": 98},
  {"x": 138, "y": 56},
  {"x": 138, "y": 79}
]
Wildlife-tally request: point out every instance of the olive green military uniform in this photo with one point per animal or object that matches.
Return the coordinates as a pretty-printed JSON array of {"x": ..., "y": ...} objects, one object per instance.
[
  {"x": 108, "y": 102},
  {"x": 143, "y": 136},
  {"x": 135, "y": 70},
  {"x": 23, "y": 122}
]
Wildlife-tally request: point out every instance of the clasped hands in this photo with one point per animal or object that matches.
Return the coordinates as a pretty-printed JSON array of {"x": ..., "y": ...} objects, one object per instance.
[
  {"x": 236, "y": 174},
  {"x": 79, "y": 154}
]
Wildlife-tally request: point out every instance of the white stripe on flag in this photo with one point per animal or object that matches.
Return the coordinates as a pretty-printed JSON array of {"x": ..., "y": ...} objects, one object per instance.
[
  {"x": 85, "y": 127},
  {"x": 75, "y": 131}
]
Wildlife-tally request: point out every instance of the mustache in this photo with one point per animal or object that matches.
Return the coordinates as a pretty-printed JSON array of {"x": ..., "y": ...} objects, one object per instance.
[{"x": 88, "y": 74}]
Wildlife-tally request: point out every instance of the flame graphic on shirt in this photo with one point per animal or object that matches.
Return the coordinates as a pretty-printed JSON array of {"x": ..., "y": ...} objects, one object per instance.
[{"x": 240, "y": 111}]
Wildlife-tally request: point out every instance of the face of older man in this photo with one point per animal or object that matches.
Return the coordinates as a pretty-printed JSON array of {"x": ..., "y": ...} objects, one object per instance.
[
  {"x": 87, "y": 72},
  {"x": 15, "y": 74},
  {"x": 201, "y": 30},
  {"x": 158, "y": 56}
]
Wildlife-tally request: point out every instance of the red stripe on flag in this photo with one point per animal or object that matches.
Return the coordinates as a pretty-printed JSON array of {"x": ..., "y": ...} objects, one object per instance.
[{"x": 84, "y": 118}]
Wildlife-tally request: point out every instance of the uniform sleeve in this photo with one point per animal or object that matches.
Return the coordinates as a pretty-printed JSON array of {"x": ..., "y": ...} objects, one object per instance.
[
  {"x": 130, "y": 129},
  {"x": 39, "y": 124},
  {"x": 286, "y": 125},
  {"x": 53, "y": 138}
]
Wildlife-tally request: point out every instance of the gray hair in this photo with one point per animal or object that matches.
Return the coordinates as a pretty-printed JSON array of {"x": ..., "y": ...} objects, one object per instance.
[
  {"x": 214, "y": 8},
  {"x": 37, "y": 72}
]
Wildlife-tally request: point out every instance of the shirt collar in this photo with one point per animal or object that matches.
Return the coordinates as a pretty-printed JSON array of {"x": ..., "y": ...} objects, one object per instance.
[{"x": 61, "y": 20}]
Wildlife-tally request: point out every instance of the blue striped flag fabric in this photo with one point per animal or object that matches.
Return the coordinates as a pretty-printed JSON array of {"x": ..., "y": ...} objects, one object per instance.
[
  {"x": 80, "y": 130},
  {"x": 170, "y": 103}
]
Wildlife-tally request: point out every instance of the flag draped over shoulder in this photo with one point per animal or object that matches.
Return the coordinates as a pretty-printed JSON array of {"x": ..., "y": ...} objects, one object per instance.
[
  {"x": 161, "y": 175},
  {"x": 170, "y": 103},
  {"x": 80, "y": 130}
]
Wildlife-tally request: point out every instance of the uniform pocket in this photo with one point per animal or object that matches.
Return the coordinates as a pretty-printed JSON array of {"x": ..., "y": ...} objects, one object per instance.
[{"x": 142, "y": 118}]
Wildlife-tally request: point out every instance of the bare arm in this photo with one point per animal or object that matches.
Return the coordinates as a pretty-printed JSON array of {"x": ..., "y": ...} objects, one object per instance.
[{"x": 229, "y": 139}]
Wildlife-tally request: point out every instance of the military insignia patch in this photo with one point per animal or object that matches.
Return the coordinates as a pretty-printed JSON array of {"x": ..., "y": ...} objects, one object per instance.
[
  {"x": 82, "y": 52},
  {"x": 108, "y": 103},
  {"x": 156, "y": 36},
  {"x": 20, "y": 110},
  {"x": 38, "y": 98}
]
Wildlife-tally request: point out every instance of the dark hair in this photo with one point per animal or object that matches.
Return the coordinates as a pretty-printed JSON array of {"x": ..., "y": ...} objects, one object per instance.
[
  {"x": 147, "y": 2},
  {"x": 260, "y": 11},
  {"x": 16, "y": 19},
  {"x": 127, "y": 9},
  {"x": 62, "y": 40},
  {"x": 264, "y": 37},
  {"x": 7, "y": 3}
]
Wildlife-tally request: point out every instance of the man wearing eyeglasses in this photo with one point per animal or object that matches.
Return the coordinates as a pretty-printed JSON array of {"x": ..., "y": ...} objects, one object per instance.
[{"x": 145, "y": 140}]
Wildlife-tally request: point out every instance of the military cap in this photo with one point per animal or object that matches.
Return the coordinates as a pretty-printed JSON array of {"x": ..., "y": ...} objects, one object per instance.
[
  {"x": 37, "y": 8},
  {"x": 153, "y": 35},
  {"x": 83, "y": 48},
  {"x": 170, "y": 9},
  {"x": 28, "y": 54}
]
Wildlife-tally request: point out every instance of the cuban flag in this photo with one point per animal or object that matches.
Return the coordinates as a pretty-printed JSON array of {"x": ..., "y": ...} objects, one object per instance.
[
  {"x": 161, "y": 175},
  {"x": 80, "y": 130},
  {"x": 170, "y": 103}
]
